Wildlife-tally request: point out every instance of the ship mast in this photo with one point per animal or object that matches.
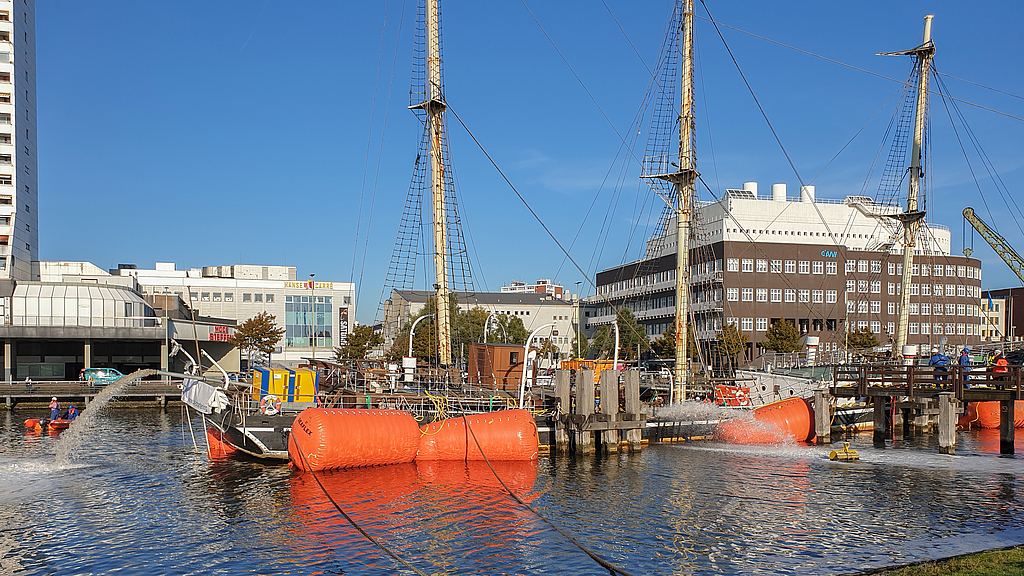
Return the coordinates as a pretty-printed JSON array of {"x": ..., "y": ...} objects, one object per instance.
[
  {"x": 685, "y": 184},
  {"x": 912, "y": 217},
  {"x": 435, "y": 107}
]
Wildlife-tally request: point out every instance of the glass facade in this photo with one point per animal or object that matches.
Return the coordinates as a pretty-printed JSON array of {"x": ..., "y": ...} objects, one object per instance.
[{"x": 303, "y": 318}]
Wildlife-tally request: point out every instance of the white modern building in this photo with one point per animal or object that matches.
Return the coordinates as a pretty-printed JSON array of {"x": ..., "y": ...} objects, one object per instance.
[
  {"x": 542, "y": 286},
  {"x": 19, "y": 231},
  {"x": 303, "y": 307}
]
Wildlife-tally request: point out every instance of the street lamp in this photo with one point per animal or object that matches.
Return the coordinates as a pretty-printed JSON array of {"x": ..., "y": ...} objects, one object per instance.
[
  {"x": 526, "y": 355},
  {"x": 412, "y": 331},
  {"x": 312, "y": 319}
]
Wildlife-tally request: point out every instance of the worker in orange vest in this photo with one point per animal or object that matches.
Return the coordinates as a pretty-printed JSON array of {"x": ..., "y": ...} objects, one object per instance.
[{"x": 1000, "y": 364}]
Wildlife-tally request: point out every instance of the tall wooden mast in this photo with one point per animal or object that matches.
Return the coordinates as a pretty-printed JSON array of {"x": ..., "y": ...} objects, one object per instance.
[
  {"x": 912, "y": 217},
  {"x": 685, "y": 181},
  {"x": 435, "y": 107}
]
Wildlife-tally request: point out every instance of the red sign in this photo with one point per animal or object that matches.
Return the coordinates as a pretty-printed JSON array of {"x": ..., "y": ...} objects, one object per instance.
[{"x": 220, "y": 333}]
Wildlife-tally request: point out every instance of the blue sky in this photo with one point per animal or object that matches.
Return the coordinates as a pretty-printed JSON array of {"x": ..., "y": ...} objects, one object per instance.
[{"x": 210, "y": 133}]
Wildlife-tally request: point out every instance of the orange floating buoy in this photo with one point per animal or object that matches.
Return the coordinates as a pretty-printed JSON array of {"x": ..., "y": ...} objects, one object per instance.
[
  {"x": 218, "y": 447},
  {"x": 771, "y": 424},
  {"x": 349, "y": 438},
  {"x": 503, "y": 435},
  {"x": 32, "y": 423},
  {"x": 986, "y": 415}
]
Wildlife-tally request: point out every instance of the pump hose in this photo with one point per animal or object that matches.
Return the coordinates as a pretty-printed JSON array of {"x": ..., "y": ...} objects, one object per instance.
[
  {"x": 348, "y": 518},
  {"x": 612, "y": 569}
]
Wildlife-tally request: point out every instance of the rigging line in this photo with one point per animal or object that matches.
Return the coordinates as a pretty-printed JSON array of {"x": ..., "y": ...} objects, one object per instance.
[
  {"x": 626, "y": 36},
  {"x": 349, "y": 519},
  {"x": 883, "y": 76},
  {"x": 981, "y": 85},
  {"x": 380, "y": 152},
  {"x": 829, "y": 163},
  {"x": 369, "y": 137},
  {"x": 528, "y": 207},
  {"x": 707, "y": 116},
  {"x": 966, "y": 159},
  {"x": 987, "y": 162},
  {"x": 754, "y": 96},
  {"x": 613, "y": 569}
]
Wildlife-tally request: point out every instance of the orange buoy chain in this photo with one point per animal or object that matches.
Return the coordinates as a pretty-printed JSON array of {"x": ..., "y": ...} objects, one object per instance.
[{"x": 612, "y": 569}]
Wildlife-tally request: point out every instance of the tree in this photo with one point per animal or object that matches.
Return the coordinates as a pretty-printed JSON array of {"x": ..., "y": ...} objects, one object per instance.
[
  {"x": 510, "y": 330},
  {"x": 631, "y": 334},
  {"x": 548, "y": 348},
  {"x": 861, "y": 338},
  {"x": 665, "y": 345},
  {"x": 257, "y": 334},
  {"x": 360, "y": 340},
  {"x": 469, "y": 328},
  {"x": 730, "y": 343},
  {"x": 783, "y": 337}
]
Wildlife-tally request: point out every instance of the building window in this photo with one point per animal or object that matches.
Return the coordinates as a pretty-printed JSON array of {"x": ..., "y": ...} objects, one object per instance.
[
  {"x": 790, "y": 266},
  {"x": 762, "y": 294},
  {"x": 876, "y": 307},
  {"x": 732, "y": 321},
  {"x": 790, "y": 295},
  {"x": 246, "y": 297},
  {"x": 193, "y": 296},
  {"x": 817, "y": 267},
  {"x": 926, "y": 309},
  {"x": 926, "y": 328},
  {"x": 914, "y": 289},
  {"x": 776, "y": 266},
  {"x": 950, "y": 270},
  {"x": 805, "y": 267},
  {"x": 851, "y": 266},
  {"x": 950, "y": 326},
  {"x": 892, "y": 268},
  {"x": 950, "y": 309},
  {"x": 950, "y": 289},
  {"x": 862, "y": 324},
  {"x": 762, "y": 265},
  {"x": 732, "y": 294},
  {"x": 216, "y": 296},
  {"x": 961, "y": 290},
  {"x": 912, "y": 327},
  {"x": 851, "y": 306},
  {"x": 804, "y": 295},
  {"x": 746, "y": 324},
  {"x": 205, "y": 297},
  {"x": 270, "y": 297},
  {"x": 892, "y": 288},
  {"x": 747, "y": 295},
  {"x": 748, "y": 265},
  {"x": 862, "y": 306},
  {"x": 5, "y": 179},
  {"x": 914, "y": 309},
  {"x": 876, "y": 326},
  {"x": 831, "y": 268},
  {"x": 876, "y": 286},
  {"x": 890, "y": 328},
  {"x": 863, "y": 266},
  {"x": 817, "y": 296},
  {"x": 229, "y": 296},
  {"x": 862, "y": 286},
  {"x": 926, "y": 289},
  {"x": 830, "y": 296},
  {"x": 259, "y": 297},
  {"x": 876, "y": 266},
  {"x": 776, "y": 294},
  {"x": 761, "y": 324},
  {"x": 890, "y": 307},
  {"x": 851, "y": 286},
  {"x": 732, "y": 265},
  {"x": 961, "y": 309}
]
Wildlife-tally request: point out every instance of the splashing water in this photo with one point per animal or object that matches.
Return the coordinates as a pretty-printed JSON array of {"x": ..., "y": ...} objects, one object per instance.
[
  {"x": 76, "y": 434},
  {"x": 700, "y": 411}
]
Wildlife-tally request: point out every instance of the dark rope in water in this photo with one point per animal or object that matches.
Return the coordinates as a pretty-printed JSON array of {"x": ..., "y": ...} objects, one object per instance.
[
  {"x": 612, "y": 569},
  {"x": 349, "y": 519}
]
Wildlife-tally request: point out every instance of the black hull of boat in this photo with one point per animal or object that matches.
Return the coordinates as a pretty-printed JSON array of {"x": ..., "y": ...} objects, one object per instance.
[{"x": 257, "y": 435}]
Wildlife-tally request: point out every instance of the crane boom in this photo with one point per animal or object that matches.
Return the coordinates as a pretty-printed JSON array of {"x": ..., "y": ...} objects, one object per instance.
[{"x": 998, "y": 243}]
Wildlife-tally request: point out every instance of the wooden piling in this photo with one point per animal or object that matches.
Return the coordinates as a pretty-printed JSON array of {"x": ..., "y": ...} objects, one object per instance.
[
  {"x": 881, "y": 433},
  {"x": 584, "y": 410},
  {"x": 562, "y": 390},
  {"x": 947, "y": 422},
  {"x": 632, "y": 407},
  {"x": 610, "y": 409},
  {"x": 822, "y": 417},
  {"x": 1006, "y": 429}
]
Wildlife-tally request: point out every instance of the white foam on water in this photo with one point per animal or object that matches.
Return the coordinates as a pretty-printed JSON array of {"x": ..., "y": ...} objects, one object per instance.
[
  {"x": 72, "y": 439},
  {"x": 701, "y": 411}
]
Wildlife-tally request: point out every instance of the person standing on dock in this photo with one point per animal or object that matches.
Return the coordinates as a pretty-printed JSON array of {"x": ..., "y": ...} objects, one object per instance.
[
  {"x": 965, "y": 363},
  {"x": 28, "y": 383},
  {"x": 939, "y": 361},
  {"x": 54, "y": 408},
  {"x": 1000, "y": 366}
]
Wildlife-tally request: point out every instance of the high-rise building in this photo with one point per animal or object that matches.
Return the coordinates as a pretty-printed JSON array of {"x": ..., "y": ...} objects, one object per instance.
[{"x": 19, "y": 214}]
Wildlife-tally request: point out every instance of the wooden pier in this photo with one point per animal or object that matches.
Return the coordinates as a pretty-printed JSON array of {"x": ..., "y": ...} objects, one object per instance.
[
  {"x": 582, "y": 427},
  {"x": 915, "y": 394},
  {"x": 158, "y": 392}
]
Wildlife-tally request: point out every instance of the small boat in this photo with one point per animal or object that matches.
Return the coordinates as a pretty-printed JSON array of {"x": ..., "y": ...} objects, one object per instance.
[{"x": 40, "y": 424}]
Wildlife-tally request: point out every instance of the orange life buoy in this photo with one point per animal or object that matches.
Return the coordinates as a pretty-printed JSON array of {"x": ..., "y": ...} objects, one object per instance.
[{"x": 270, "y": 405}]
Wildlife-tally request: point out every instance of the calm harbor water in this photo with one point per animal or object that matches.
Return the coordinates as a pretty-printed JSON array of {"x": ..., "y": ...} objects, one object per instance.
[{"x": 137, "y": 499}]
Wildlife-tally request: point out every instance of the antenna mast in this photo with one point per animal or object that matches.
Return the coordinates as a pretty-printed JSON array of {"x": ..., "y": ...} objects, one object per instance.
[{"x": 912, "y": 217}]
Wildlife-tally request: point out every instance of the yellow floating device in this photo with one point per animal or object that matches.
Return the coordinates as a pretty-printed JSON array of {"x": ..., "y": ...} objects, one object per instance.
[{"x": 844, "y": 455}]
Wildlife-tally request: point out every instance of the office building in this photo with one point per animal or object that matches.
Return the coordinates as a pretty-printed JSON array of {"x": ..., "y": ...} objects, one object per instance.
[{"x": 825, "y": 265}]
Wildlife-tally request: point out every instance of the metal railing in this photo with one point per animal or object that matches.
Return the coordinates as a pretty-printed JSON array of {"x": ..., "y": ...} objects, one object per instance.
[{"x": 907, "y": 380}]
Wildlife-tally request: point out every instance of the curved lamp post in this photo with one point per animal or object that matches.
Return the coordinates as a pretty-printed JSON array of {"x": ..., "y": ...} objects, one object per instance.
[
  {"x": 412, "y": 331},
  {"x": 488, "y": 323},
  {"x": 526, "y": 354}
]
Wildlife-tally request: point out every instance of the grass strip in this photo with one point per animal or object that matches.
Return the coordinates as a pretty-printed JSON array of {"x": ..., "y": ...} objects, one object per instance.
[{"x": 999, "y": 562}]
